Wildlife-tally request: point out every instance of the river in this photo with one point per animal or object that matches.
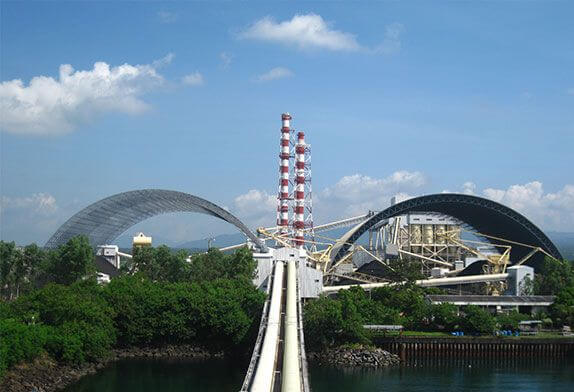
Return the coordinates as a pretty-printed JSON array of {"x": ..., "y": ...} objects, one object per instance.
[{"x": 226, "y": 375}]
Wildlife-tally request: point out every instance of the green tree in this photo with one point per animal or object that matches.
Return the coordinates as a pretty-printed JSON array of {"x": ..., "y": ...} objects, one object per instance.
[
  {"x": 172, "y": 266},
  {"x": 510, "y": 320},
  {"x": 352, "y": 328},
  {"x": 81, "y": 321},
  {"x": 553, "y": 276},
  {"x": 323, "y": 322},
  {"x": 410, "y": 301},
  {"x": 73, "y": 261},
  {"x": 218, "y": 313},
  {"x": 562, "y": 309},
  {"x": 216, "y": 265},
  {"x": 20, "y": 342},
  {"x": 160, "y": 264},
  {"x": 445, "y": 316},
  {"x": 8, "y": 255},
  {"x": 478, "y": 320}
]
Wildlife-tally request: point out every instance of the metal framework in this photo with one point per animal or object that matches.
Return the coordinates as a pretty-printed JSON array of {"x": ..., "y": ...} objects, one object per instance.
[
  {"x": 484, "y": 215},
  {"x": 108, "y": 218}
]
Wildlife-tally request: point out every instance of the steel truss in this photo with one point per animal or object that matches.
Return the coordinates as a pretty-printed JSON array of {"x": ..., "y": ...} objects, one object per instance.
[{"x": 108, "y": 218}]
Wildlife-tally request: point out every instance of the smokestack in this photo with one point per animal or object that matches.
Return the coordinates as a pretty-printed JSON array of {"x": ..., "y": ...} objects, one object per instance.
[
  {"x": 299, "y": 208},
  {"x": 284, "y": 156}
]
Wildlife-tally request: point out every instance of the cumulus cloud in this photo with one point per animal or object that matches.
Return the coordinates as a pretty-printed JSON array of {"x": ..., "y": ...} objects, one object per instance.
[
  {"x": 392, "y": 40},
  {"x": 30, "y": 218},
  {"x": 308, "y": 31},
  {"x": 357, "y": 194},
  {"x": 311, "y": 31},
  {"x": 468, "y": 188},
  {"x": 553, "y": 211},
  {"x": 193, "y": 79},
  {"x": 167, "y": 17},
  {"x": 39, "y": 203},
  {"x": 274, "y": 74},
  {"x": 256, "y": 208},
  {"x": 350, "y": 196},
  {"x": 49, "y": 106}
]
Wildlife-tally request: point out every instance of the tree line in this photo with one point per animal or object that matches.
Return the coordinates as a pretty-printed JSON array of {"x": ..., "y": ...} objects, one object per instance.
[
  {"x": 24, "y": 269},
  {"x": 160, "y": 298},
  {"x": 339, "y": 320}
]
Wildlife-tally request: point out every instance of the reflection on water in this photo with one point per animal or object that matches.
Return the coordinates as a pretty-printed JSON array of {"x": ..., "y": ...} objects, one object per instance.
[
  {"x": 451, "y": 375},
  {"x": 505, "y": 375},
  {"x": 146, "y": 375}
]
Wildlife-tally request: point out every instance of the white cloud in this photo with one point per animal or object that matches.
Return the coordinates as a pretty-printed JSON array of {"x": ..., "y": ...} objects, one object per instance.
[
  {"x": 350, "y": 196},
  {"x": 552, "y": 211},
  {"x": 392, "y": 40},
  {"x": 256, "y": 208},
  {"x": 167, "y": 17},
  {"x": 311, "y": 31},
  {"x": 193, "y": 79},
  {"x": 226, "y": 59},
  {"x": 357, "y": 194},
  {"x": 29, "y": 219},
  {"x": 302, "y": 31},
  {"x": 38, "y": 203},
  {"x": 273, "y": 74},
  {"x": 55, "y": 106},
  {"x": 162, "y": 62},
  {"x": 468, "y": 188}
]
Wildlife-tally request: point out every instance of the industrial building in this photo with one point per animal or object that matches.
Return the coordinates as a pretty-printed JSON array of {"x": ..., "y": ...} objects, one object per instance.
[{"x": 462, "y": 243}]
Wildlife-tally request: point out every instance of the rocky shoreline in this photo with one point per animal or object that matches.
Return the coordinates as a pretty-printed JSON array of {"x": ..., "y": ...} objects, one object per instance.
[
  {"x": 46, "y": 375},
  {"x": 356, "y": 356}
]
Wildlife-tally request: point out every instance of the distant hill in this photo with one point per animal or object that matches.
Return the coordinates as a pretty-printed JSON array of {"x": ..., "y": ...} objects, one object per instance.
[
  {"x": 564, "y": 242},
  {"x": 220, "y": 241}
]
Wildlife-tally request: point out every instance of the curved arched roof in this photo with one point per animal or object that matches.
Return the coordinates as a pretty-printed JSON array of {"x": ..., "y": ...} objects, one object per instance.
[
  {"x": 484, "y": 215},
  {"x": 106, "y": 219}
]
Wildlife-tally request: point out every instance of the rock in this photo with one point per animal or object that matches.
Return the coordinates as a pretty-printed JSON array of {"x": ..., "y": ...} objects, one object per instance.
[
  {"x": 46, "y": 375},
  {"x": 360, "y": 356}
]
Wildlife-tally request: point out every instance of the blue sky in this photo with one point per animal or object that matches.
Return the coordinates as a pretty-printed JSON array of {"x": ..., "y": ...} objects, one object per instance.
[{"x": 395, "y": 98}]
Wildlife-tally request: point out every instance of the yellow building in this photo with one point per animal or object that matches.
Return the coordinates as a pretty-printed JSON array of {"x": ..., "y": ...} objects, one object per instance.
[{"x": 141, "y": 240}]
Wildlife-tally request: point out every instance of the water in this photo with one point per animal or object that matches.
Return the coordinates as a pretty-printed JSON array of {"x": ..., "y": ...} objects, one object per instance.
[
  {"x": 227, "y": 375},
  {"x": 143, "y": 375},
  {"x": 461, "y": 375}
]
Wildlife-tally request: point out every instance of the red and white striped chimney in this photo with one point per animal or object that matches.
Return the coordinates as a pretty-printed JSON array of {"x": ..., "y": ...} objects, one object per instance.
[
  {"x": 299, "y": 208},
  {"x": 283, "y": 197}
]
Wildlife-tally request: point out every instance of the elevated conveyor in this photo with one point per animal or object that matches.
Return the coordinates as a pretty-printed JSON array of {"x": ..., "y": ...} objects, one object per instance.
[{"x": 278, "y": 362}]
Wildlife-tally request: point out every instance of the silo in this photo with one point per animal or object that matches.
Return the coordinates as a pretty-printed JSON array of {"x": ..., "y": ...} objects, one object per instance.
[
  {"x": 428, "y": 234},
  {"x": 453, "y": 248},
  {"x": 416, "y": 237},
  {"x": 440, "y": 236}
]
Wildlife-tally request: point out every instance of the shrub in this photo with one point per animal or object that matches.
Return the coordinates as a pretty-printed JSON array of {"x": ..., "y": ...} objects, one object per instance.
[
  {"x": 217, "y": 313},
  {"x": 478, "y": 320},
  {"x": 20, "y": 342},
  {"x": 81, "y": 320},
  {"x": 445, "y": 316},
  {"x": 510, "y": 320},
  {"x": 323, "y": 321}
]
